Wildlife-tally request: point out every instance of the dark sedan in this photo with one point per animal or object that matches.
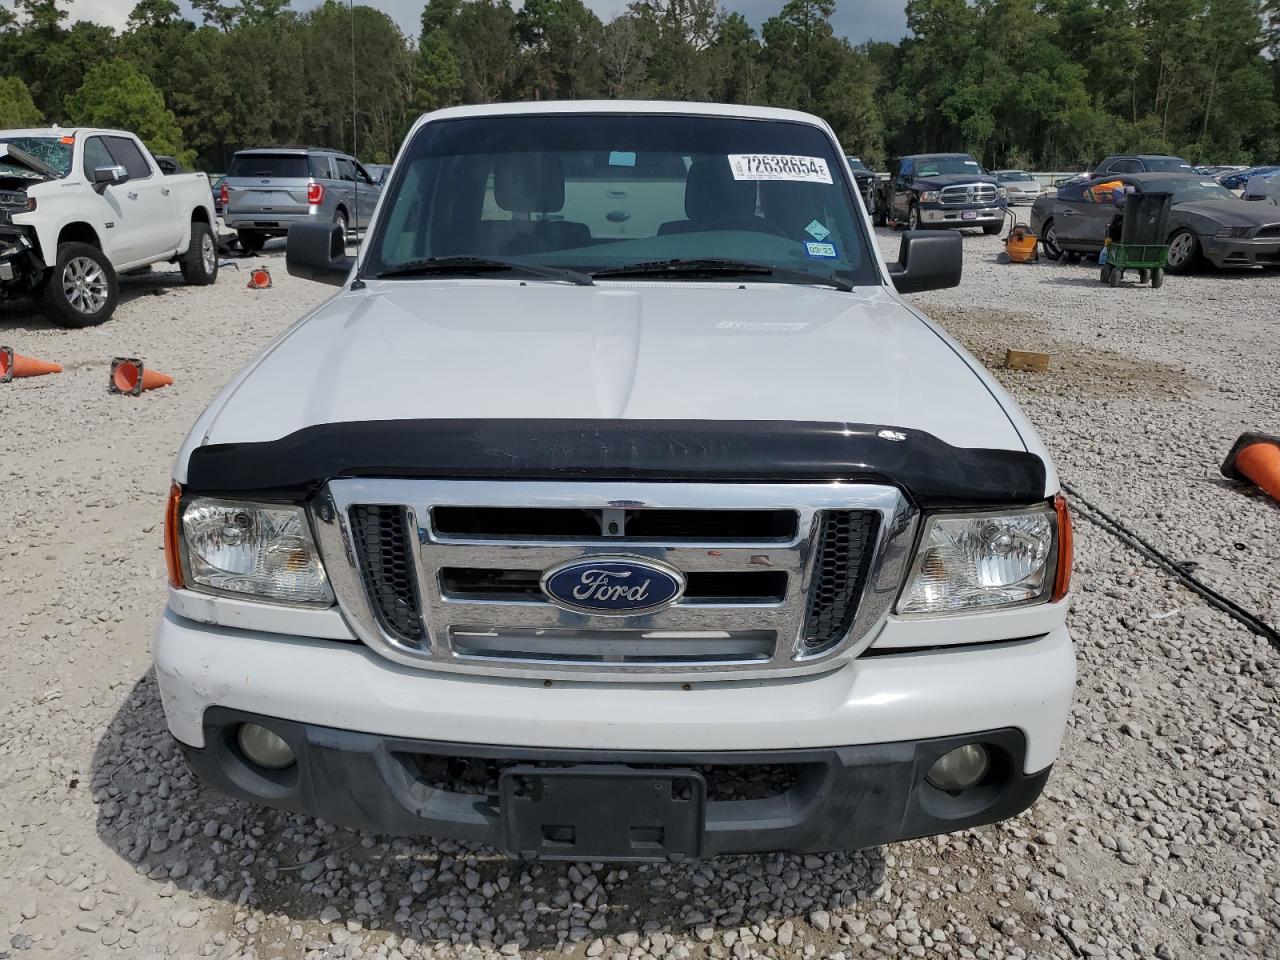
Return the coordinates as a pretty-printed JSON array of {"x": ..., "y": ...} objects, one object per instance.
[
  {"x": 1206, "y": 220},
  {"x": 1237, "y": 179}
]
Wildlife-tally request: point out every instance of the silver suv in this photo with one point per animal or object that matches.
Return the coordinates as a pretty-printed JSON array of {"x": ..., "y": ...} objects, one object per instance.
[{"x": 268, "y": 189}]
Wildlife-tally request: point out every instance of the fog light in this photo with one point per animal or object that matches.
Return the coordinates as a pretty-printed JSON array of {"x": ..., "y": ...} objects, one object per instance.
[
  {"x": 264, "y": 748},
  {"x": 961, "y": 768}
]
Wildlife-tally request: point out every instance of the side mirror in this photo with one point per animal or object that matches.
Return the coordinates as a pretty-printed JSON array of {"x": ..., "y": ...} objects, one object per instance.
[
  {"x": 928, "y": 260},
  {"x": 315, "y": 251},
  {"x": 111, "y": 176}
]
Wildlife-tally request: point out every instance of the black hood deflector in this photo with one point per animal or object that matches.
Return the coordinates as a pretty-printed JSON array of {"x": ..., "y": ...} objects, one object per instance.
[{"x": 933, "y": 473}]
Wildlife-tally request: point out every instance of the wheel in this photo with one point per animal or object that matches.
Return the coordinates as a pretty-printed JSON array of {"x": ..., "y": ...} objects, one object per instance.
[
  {"x": 82, "y": 290},
  {"x": 991, "y": 229},
  {"x": 200, "y": 263},
  {"x": 1049, "y": 241},
  {"x": 879, "y": 216},
  {"x": 1157, "y": 278},
  {"x": 1115, "y": 277},
  {"x": 1105, "y": 275},
  {"x": 251, "y": 241},
  {"x": 1184, "y": 251},
  {"x": 1144, "y": 276},
  {"x": 340, "y": 218},
  {"x": 913, "y": 217}
]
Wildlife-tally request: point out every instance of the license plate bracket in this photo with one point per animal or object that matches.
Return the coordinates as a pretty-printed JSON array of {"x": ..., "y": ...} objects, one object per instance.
[{"x": 602, "y": 812}]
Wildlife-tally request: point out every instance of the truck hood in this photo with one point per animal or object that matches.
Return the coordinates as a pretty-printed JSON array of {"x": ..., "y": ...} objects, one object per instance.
[
  {"x": 502, "y": 349},
  {"x": 951, "y": 180}
]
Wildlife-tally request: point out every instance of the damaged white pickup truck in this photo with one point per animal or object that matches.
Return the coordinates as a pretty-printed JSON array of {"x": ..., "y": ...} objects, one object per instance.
[
  {"x": 616, "y": 507},
  {"x": 80, "y": 206}
]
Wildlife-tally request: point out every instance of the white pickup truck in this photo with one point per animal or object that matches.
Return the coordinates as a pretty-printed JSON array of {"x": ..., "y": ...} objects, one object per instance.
[
  {"x": 79, "y": 206},
  {"x": 617, "y": 507}
]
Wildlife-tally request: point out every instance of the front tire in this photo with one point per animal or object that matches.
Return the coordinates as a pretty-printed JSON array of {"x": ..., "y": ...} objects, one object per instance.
[
  {"x": 251, "y": 241},
  {"x": 1049, "y": 241},
  {"x": 879, "y": 216},
  {"x": 1157, "y": 279},
  {"x": 913, "y": 217},
  {"x": 82, "y": 289},
  {"x": 199, "y": 264},
  {"x": 1184, "y": 251}
]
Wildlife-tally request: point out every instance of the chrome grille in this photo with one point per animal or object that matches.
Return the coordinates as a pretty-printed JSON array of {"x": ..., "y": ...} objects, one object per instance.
[
  {"x": 780, "y": 577},
  {"x": 969, "y": 193}
]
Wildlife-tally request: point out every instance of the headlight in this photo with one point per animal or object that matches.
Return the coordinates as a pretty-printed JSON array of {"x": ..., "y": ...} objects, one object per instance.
[
  {"x": 931, "y": 196},
  {"x": 1001, "y": 193},
  {"x": 253, "y": 549},
  {"x": 1231, "y": 231},
  {"x": 982, "y": 561}
]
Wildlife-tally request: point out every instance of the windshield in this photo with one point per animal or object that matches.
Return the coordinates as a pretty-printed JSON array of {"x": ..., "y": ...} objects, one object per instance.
[
  {"x": 592, "y": 192},
  {"x": 55, "y": 151},
  {"x": 268, "y": 165},
  {"x": 933, "y": 166},
  {"x": 1186, "y": 191},
  {"x": 857, "y": 165},
  {"x": 1166, "y": 165},
  {"x": 1014, "y": 176}
]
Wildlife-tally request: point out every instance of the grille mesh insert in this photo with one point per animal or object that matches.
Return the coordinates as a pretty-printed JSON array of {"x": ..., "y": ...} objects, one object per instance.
[
  {"x": 382, "y": 542},
  {"x": 845, "y": 546}
]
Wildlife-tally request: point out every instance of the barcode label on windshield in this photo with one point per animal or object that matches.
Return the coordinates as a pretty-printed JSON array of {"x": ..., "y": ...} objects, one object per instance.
[{"x": 779, "y": 166}]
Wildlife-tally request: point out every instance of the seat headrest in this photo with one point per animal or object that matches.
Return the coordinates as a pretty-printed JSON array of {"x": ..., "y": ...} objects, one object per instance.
[
  {"x": 711, "y": 193},
  {"x": 529, "y": 182}
]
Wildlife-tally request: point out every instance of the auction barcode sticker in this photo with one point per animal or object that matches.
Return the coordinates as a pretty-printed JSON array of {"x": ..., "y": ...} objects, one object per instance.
[{"x": 779, "y": 166}]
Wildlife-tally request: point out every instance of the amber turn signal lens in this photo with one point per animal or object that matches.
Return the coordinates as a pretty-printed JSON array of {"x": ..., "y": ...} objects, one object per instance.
[
  {"x": 172, "y": 558},
  {"x": 1062, "y": 579}
]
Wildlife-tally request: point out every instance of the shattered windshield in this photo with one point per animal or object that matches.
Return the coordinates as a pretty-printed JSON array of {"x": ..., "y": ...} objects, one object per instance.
[{"x": 54, "y": 151}]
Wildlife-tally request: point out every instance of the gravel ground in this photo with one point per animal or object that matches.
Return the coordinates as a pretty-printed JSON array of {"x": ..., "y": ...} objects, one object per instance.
[{"x": 1156, "y": 836}]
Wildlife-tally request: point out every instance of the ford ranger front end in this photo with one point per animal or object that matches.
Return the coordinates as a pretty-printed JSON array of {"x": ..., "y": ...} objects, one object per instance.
[{"x": 616, "y": 507}]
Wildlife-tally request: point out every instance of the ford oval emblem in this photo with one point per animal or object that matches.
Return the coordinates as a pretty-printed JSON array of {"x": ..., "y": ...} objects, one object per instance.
[{"x": 613, "y": 586}]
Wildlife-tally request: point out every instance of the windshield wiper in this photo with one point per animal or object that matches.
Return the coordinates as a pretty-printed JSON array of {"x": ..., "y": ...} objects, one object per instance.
[
  {"x": 710, "y": 266},
  {"x": 467, "y": 264}
]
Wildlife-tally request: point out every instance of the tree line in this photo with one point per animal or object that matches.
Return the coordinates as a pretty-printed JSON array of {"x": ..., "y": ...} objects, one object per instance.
[{"x": 1050, "y": 84}]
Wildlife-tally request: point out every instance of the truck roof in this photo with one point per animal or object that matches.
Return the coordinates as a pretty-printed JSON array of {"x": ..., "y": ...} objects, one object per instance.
[
  {"x": 624, "y": 106},
  {"x": 64, "y": 132}
]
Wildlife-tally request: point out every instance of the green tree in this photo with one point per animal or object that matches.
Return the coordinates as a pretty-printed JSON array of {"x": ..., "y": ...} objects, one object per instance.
[
  {"x": 17, "y": 109},
  {"x": 116, "y": 94}
]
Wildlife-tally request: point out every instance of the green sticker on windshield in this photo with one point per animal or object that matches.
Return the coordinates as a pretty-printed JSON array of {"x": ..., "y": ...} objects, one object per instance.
[{"x": 817, "y": 230}]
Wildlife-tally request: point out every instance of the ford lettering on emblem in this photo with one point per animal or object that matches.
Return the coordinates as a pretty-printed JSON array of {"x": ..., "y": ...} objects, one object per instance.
[{"x": 614, "y": 586}]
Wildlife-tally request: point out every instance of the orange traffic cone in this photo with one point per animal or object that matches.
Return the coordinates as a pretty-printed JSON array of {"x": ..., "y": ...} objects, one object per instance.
[
  {"x": 129, "y": 376},
  {"x": 1255, "y": 458},
  {"x": 259, "y": 279},
  {"x": 14, "y": 365}
]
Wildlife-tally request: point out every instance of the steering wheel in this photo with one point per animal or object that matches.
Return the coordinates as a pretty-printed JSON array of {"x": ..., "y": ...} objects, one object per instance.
[{"x": 753, "y": 224}]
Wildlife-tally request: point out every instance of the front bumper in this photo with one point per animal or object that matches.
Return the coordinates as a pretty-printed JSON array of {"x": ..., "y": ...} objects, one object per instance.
[
  {"x": 1241, "y": 251},
  {"x": 865, "y": 733},
  {"x": 838, "y": 798},
  {"x": 961, "y": 216},
  {"x": 21, "y": 266}
]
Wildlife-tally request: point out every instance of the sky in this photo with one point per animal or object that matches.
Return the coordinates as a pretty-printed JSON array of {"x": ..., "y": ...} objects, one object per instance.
[{"x": 856, "y": 19}]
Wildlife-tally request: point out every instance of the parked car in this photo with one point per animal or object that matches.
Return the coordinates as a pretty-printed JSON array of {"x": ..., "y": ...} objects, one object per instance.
[
  {"x": 865, "y": 177},
  {"x": 379, "y": 171},
  {"x": 1238, "y": 179},
  {"x": 1142, "y": 163},
  {"x": 1019, "y": 186},
  {"x": 80, "y": 205},
  {"x": 940, "y": 190},
  {"x": 640, "y": 507},
  {"x": 1206, "y": 220},
  {"x": 267, "y": 190},
  {"x": 218, "y": 187}
]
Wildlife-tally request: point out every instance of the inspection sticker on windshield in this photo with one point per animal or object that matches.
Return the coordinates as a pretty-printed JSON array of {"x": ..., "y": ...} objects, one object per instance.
[
  {"x": 779, "y": 166},
  {"x": 817, "y": 230},
  {"x": 820, "y": 249}
]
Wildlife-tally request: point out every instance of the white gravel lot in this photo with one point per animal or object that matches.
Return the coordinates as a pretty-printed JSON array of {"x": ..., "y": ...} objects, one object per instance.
[{"x": 1156, "y": 837}]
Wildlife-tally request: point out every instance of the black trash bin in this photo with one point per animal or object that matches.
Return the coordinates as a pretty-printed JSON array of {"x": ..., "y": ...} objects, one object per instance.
[{"x": 1146, "y": 218}]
